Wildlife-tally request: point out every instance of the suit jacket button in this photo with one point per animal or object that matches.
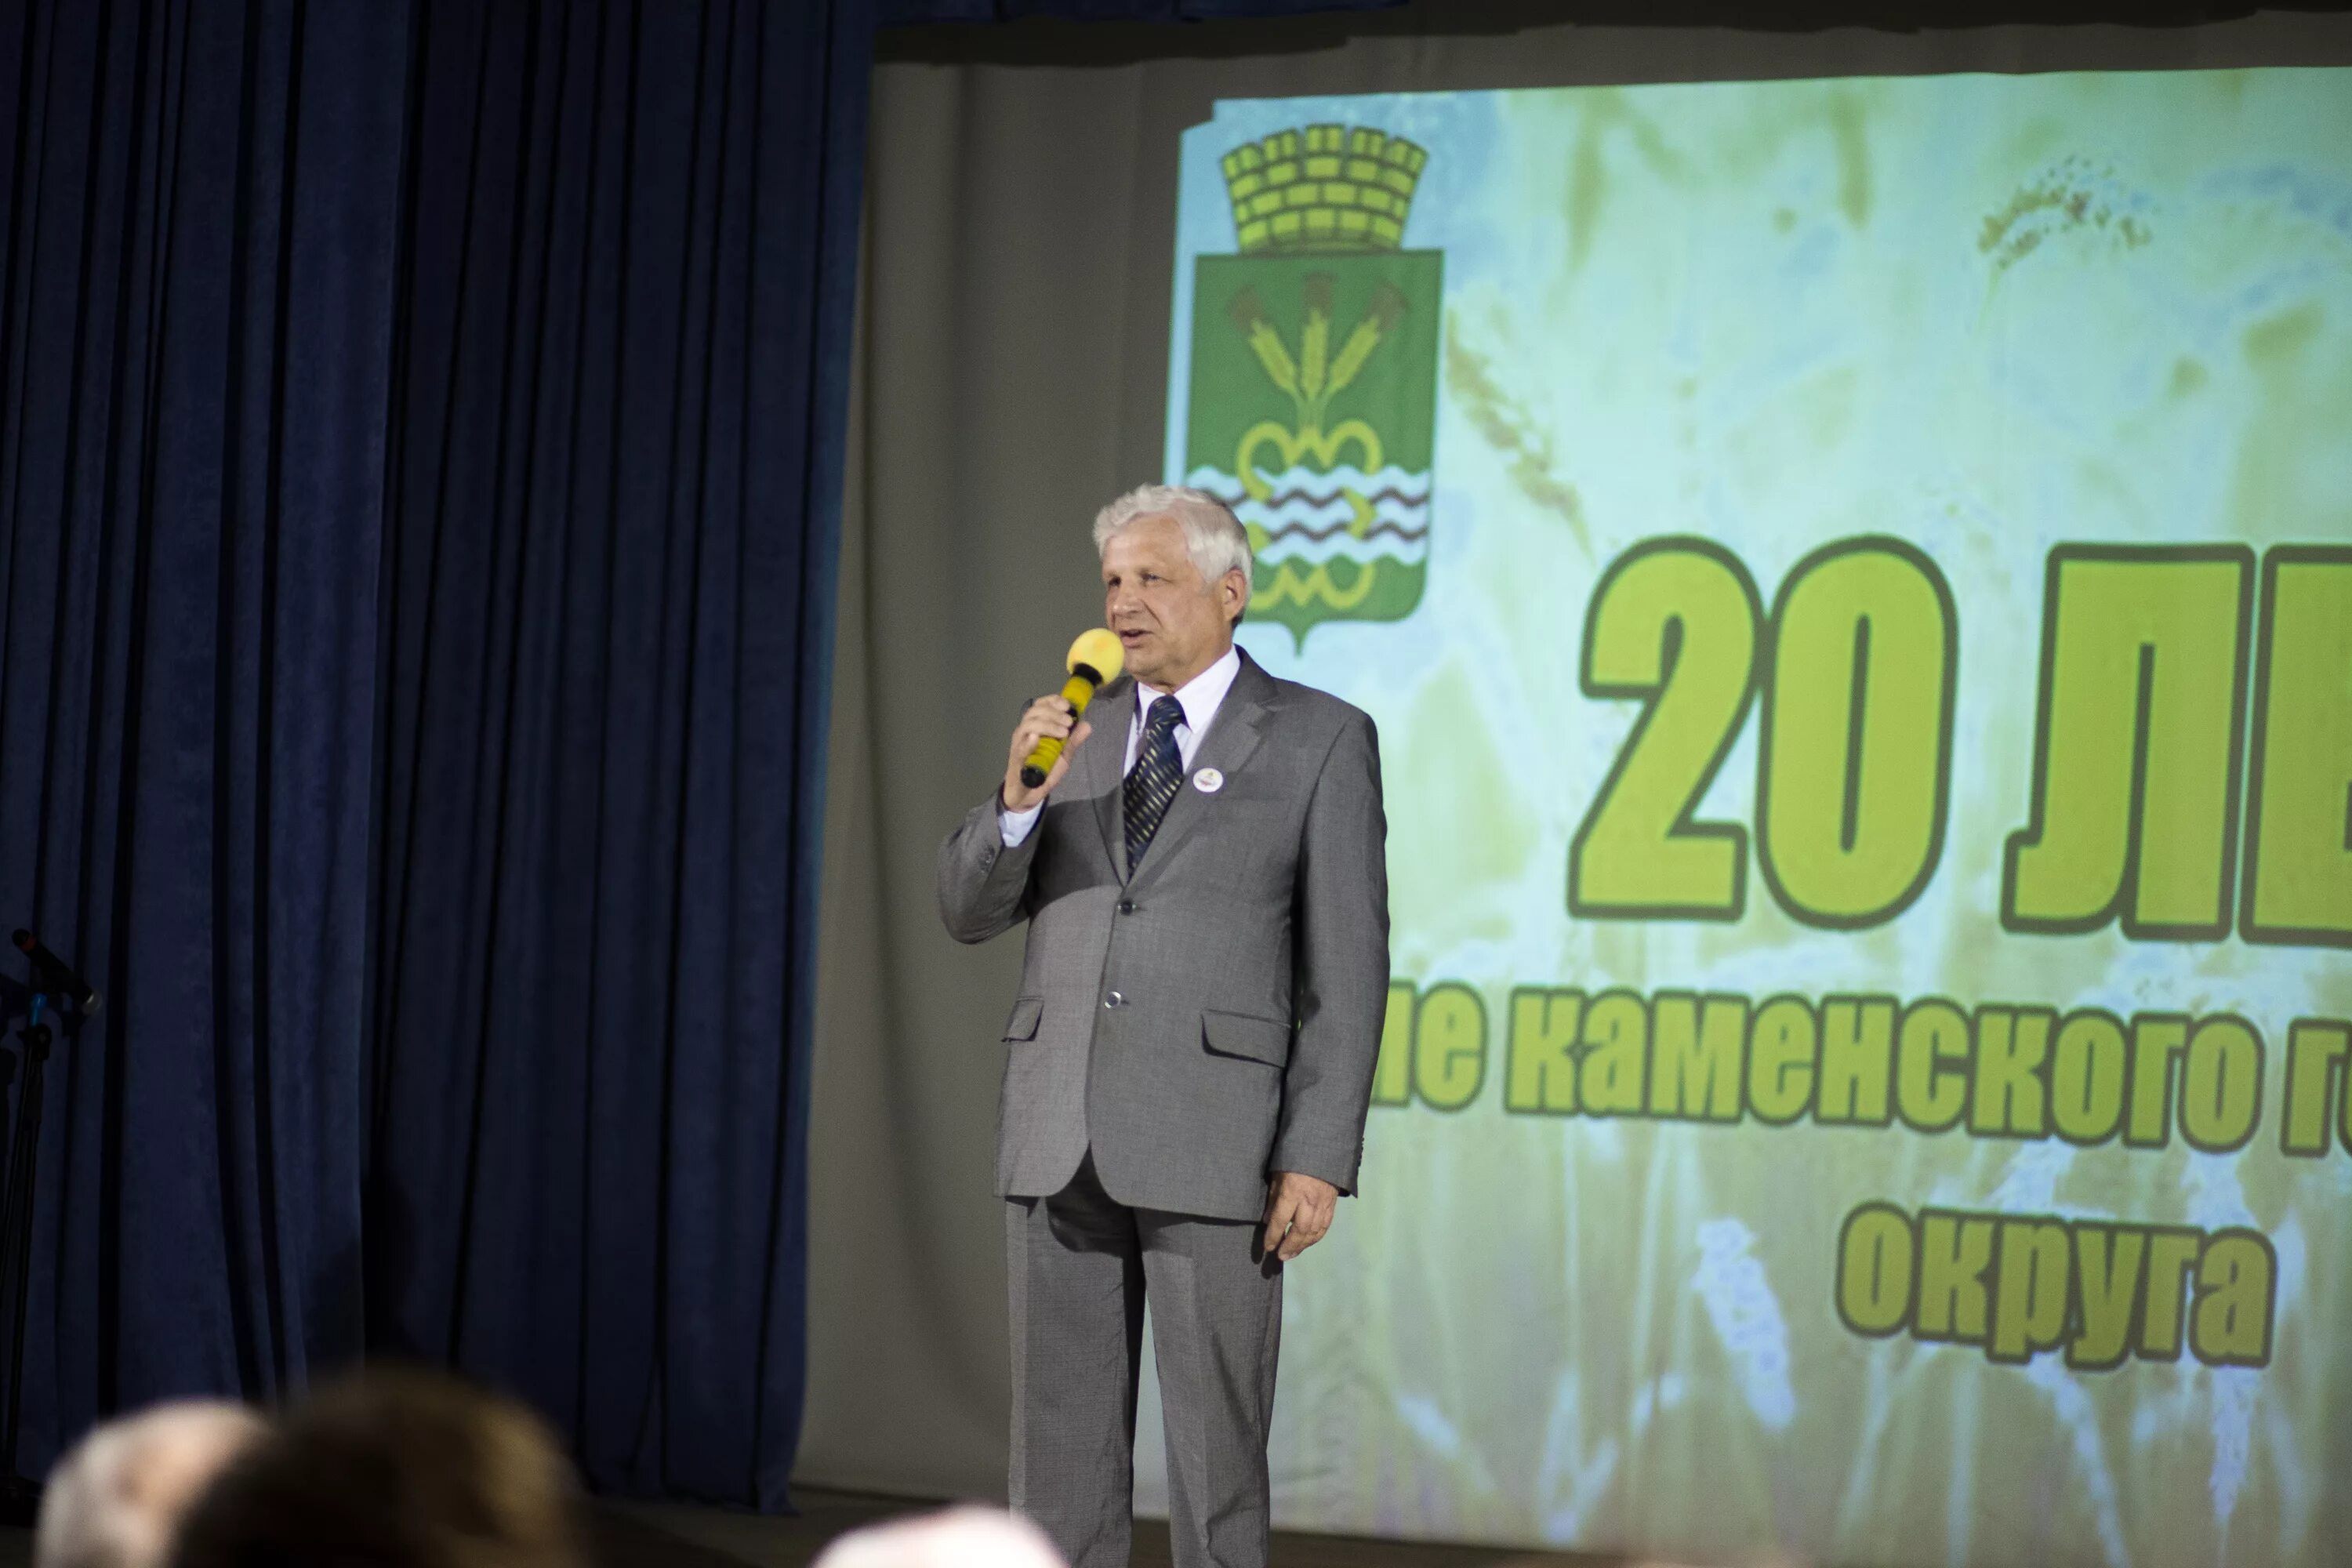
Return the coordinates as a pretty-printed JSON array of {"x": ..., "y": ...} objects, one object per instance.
[
  {"x": 1114, "y": 1000},
  {"x": 1127, "y": 906}
]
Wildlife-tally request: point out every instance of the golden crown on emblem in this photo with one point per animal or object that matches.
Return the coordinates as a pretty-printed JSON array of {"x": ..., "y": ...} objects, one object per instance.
[{"x": 1323, "y": 188}]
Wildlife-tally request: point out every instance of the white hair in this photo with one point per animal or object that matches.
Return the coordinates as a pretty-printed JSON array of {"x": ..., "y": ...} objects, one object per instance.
[
  {"x": 116, "y": 1500},
  {"x": 961, "y": 1538},
  {"x": 1213, "y": 537}
]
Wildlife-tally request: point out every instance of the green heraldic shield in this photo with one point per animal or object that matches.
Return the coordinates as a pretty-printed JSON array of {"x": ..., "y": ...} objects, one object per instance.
[{"x": 1313, "y": 403}]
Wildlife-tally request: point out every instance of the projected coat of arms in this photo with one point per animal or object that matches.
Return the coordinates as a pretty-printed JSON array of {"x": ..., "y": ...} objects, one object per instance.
[{"x": 1313, "y": 383}]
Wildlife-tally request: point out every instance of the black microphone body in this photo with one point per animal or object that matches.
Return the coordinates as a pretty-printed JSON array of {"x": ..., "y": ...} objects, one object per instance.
[{"x": 55, "y": 975}]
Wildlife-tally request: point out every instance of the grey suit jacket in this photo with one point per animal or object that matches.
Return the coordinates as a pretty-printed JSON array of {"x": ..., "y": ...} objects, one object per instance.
[{"x": 1216, "y": 1016}]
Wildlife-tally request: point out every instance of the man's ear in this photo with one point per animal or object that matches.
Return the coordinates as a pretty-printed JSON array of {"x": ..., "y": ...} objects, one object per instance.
[{"x": 1234, "y": 589}]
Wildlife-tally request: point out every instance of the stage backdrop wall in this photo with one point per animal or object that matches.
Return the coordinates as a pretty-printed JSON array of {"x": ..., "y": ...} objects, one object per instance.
[{"x": 1827, "y": 1075}]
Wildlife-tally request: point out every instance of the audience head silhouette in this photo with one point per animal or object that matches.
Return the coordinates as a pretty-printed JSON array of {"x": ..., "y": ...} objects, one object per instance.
[
  {"x": 393, "y": 1469},
  {"x": 117, "y": 1498}
]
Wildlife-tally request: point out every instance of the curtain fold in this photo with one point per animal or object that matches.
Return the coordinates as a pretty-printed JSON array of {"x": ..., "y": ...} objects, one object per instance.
[
  {"x": 606, "y": 586},
  {"x": 200, "y": 212},
  {"x": 419, "y": 463}
]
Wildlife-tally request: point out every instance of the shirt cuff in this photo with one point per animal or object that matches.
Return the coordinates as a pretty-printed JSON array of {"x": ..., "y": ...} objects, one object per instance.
[{"x": 1013, "y": 826}]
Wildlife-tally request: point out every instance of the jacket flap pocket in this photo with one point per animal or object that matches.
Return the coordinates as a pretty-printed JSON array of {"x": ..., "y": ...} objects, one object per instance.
[
  {"x": 1023, "y": 1024},
  {"x": 1265, "y": 1040}
]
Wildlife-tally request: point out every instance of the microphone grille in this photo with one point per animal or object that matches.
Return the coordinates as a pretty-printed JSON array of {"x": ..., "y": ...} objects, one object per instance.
[{"x": 1099, "y": 650}]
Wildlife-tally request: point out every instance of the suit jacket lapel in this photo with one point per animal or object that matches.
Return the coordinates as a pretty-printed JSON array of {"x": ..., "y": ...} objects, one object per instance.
[
  {"x": 1233, "y": 737},
  {"x": 1112, "y": 714}
]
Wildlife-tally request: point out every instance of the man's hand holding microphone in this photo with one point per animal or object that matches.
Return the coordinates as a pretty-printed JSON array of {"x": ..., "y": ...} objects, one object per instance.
[
  {"x": 1053, "y": 727},
  {"x": 1048, "y": 717}
]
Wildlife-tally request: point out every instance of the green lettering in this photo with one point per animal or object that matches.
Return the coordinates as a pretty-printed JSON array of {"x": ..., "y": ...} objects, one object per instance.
[
  {"x": 2314, "y": 1054},
  {"x": 2012, "y": 1048},
  {"x": 1617, "y": 1030},
  {"x": 2236, "y": 1280},
  {"x": 1857, "y": 1059},
  {"x": 2107, "y": 1260},
  {"x": 2299, "y": 858},
  {"x": 1449, "y": 1055},
  {"x": 1672, "y": 623},
  {"x": 2137, "y": 744},
  {"x": 2086, "y": 1077},
  {"x": 1780, "y": 1060},
  {"x": 1545, "y": 1027},
  {"x": 1875, "y": 1256},
  {"x": 1695, "y": 1073},
  {"x": 2172, "y": 1252},
  {"x": 1853, "y": 774},
  {"x": 2035, "y": 1284},
  {"x": 2157, "y": 1040},
  {"x": 1931, "y": 1093},
  {"x": 1955, "y": 1250},
  {"x": 2220, "y": 1085}
]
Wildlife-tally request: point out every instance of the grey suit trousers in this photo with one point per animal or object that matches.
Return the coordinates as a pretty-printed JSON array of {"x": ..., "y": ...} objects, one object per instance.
[{"x": 1079, "y": 1263}]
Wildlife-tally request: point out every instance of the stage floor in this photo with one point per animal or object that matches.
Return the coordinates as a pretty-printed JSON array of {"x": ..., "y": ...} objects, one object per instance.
[
  {"x": 675, "y": 1535},
  {"x": 641, "y": 1535}
]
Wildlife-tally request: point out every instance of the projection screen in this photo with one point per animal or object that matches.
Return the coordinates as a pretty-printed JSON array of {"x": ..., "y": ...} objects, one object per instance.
[{"x": 1854, "y": 582}]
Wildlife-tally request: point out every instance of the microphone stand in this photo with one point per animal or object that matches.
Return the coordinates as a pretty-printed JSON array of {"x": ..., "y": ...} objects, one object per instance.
[{"x": 20, "y": 1499}]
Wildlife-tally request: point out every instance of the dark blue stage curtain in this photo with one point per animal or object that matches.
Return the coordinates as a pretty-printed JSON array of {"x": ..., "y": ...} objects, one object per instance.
[
  {"x": 201, "y": 208},
  {"x": 418, "y": 468},
  {"x": 623, "y": 340},
  {"x": 420, "y": 448}
]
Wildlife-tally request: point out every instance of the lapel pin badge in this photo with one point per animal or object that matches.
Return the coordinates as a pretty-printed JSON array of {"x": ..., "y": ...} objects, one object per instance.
[{"x": 1208, "y": 781}]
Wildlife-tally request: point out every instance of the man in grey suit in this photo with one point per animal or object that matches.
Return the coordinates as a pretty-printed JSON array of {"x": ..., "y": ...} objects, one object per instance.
[{"x": 1190, "y": 1055}]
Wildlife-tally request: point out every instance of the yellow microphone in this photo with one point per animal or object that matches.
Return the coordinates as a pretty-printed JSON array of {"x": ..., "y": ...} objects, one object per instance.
[{"x": 1095, "y": 659}]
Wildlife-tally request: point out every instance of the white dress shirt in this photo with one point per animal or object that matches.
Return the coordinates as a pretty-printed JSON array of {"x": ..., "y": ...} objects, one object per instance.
[{"x": 1199, "y": 698}]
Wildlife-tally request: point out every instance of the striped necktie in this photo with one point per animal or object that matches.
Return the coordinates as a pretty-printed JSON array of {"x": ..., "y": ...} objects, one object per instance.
[{"x": 1152, "y": 783}]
